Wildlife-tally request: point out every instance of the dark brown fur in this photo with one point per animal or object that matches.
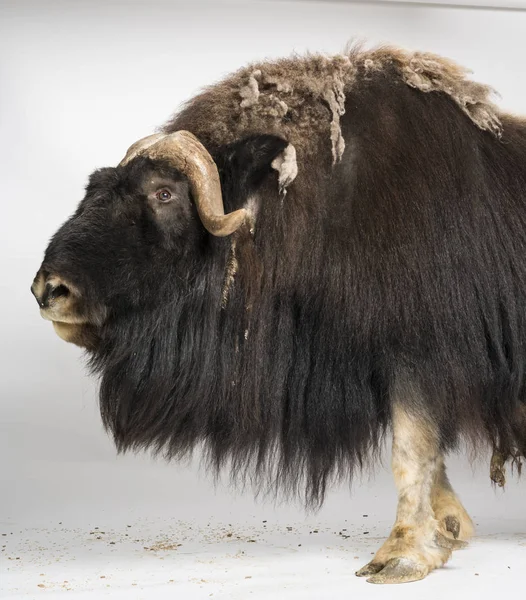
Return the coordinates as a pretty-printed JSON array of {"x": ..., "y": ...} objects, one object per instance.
[{"x": 398, "y": 254}]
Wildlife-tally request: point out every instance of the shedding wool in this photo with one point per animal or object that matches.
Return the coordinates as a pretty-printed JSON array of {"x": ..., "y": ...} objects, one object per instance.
[
  {"x": 303, "y": 98},
  {"x": 287, "y": 167}
]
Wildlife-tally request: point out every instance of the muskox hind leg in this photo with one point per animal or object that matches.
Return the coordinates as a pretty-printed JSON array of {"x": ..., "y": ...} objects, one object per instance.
[
  {"x": 418, "y": 543},
  {"x": 514, "y": 455}
]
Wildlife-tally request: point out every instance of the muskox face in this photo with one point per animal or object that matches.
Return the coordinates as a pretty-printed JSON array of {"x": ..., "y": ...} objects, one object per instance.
[
  {"x": 142, "y": 228},
  {"x": 133, "y": 221}
]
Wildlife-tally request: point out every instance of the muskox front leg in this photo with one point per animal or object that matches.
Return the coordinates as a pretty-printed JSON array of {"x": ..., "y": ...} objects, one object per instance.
[{"x": 418, "y": 542}]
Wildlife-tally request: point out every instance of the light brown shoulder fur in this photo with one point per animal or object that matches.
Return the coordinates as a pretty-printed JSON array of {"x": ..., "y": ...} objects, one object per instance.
[{"x": 303, "y": 98}]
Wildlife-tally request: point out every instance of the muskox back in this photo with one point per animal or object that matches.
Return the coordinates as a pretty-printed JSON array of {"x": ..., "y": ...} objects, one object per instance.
[{"x": 393, "y": 264}]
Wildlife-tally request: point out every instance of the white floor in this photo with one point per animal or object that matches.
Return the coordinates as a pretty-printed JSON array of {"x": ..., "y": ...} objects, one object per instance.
[
  {"x": 135, "y": 529},
  {"x": 154, "y": 559}
]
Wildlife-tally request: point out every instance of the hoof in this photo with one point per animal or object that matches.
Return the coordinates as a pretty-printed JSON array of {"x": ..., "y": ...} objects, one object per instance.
[
  {"x": 399, "y": 570},
  {"x": 371, "y": 569},
  {"x": 448, "y": 543}
]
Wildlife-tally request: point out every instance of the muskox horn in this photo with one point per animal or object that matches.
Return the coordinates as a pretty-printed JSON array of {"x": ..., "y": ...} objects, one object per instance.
[
  {"x": 186, "y": 153},
  {"x": 140, "y": 146}
]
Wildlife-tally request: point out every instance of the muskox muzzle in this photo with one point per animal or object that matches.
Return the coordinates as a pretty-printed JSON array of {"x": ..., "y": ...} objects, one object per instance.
[{"x": 56, "y": 298}]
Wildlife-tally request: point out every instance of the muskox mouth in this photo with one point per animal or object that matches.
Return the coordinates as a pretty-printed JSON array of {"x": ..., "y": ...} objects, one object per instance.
[
  {"x": 84, "y": 335},
  {"x": 54, "y": 315}
]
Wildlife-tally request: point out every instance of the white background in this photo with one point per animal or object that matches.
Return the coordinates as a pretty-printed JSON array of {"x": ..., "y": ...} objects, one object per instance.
[
  {"x": 79, "y": 82},
  {"x": 493, "y": 4}
]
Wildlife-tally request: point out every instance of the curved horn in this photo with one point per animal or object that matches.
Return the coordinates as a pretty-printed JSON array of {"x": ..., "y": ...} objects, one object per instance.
[
  {"x": 140, "y": 146},
  {"x": 186, "y": 153}
]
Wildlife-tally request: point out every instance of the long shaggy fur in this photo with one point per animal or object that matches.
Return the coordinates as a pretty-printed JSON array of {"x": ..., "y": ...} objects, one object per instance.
[{"x": 397, "y": 256}]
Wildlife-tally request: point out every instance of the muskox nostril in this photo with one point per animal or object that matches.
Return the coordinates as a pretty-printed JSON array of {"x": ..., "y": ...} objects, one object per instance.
[
  {"x": 51, "y": 293},
  {"x": 58, "y": 291}
]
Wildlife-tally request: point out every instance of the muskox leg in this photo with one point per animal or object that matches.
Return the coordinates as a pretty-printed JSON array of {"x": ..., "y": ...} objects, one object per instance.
[
  {"x": 449, "y": 512},
  {"x": 416, "y": 545}
]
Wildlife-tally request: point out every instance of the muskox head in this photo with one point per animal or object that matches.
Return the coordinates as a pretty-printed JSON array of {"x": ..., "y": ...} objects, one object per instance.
[{"x": 144, "y": 230}]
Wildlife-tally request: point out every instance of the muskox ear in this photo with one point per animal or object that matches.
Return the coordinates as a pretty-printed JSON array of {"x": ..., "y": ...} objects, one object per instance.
[{"x": 249, "y": 160}]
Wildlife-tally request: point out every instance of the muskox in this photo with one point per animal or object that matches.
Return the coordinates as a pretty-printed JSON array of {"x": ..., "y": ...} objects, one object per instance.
[{"x": 310, "y": 254}]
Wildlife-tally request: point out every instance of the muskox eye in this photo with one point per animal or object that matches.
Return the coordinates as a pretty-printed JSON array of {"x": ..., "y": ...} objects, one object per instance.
[{"x": 164, "y": 195}]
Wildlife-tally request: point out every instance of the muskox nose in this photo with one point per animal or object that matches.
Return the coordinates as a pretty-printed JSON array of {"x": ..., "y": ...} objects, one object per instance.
[{"x": 46, "y": 291}]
